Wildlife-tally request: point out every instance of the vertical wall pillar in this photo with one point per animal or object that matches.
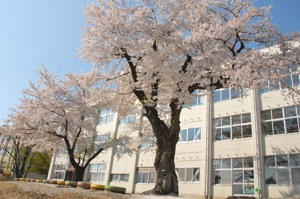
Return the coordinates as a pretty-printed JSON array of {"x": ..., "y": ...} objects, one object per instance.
[
  {"x": 258, "y": 142},
  {"x": 208, "y": 145},
  {"x": 51, "y": 167}
]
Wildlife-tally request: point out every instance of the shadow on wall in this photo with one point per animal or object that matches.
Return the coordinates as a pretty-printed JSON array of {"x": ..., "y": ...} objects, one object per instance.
[{"x": 290, "y": 191}]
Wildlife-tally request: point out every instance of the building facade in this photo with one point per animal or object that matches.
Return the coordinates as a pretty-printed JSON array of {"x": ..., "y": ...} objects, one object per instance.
[{"x": 232, "y": 142}]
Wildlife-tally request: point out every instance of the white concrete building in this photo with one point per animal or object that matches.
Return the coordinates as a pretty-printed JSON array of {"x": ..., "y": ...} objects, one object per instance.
[{"x": 232, "y": 143}]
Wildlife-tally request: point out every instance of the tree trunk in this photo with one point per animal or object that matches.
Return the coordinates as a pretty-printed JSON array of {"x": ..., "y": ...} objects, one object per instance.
[
  {"x": 79, "y": 173},
  {"x": 166, "y": 181}
]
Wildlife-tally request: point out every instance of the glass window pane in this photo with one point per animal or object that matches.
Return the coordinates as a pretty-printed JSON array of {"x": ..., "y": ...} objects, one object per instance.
[
  {"x": 217, "y": 177},
  {"x": 152, "y": 177},
  {"x": 248, "y": 176},
  {"x": 270, "y": 161},
  {"x": 181, "y": 174},
  {"x": 287, "y": 82},
  {"x": 282, "y": 160},
  {"x": 225, "y": 94},
  {"x": 237, "y": 176},
  {"x": 266, "y": 115},
  {"x": 236, "y": 132},
  {"x": 246, "y": 118},
  {"x": 267, "y": 128},
  {"x": 226, "y": 121},
  {"x": 191, "y": 134},
  {"x": 237, "y": 163},
  {"x": 139, "y": 177},
  {"x": 248, "y": 162},
  {"x": 101, "y": 177},
  {"x": 291, "y": 125},
  {"x": 290, "y": 111},
  {"x": 274, "y": 85},
  {"x": 145, "y": 177},
  {"x": 217, "y": 164},
  {"x": 124, "y": 177},
  {"x": 235, "y": 93},
  {"x": 217, "y": 122},
  {"x": 237, "y": 189},
  {"x": 197, "y": 134},
  {"x": 196, "y": 174},
  {"x": 183, "y": 135},
  {"x": 247, "y": 131},
  {"x": 226, "y": 133},
  {"x": 249, "y": 189},
  {"x": 226, "y": 163},
  {"x": 217, "y": 134},
  {"x": 295, "y": 160},
  {"x": 93, "y": 167},
  {"x": 277, "y": 113},
  {"x": 236, "y": 119},
  {"x": 217, "y": 96},
  {"x": 226, "y": 177},
  {"x": 270, "y": 176},
  {"x": 189, "y": 175},
  {"x": 278, "y": 127},
  {"x": 295, "y": 175},
  {"x": 283, "y": 176},
  {"x": 114, "y": 177},
  {"x": 296, "y": 79}
]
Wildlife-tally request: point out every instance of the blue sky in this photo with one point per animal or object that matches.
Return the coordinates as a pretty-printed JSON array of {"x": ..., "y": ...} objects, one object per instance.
[{"x": 48, "y": 32}]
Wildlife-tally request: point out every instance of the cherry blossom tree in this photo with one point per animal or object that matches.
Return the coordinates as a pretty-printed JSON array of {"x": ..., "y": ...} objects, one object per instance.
[
  {"x": 161, "y": 51},
  {"x": 54, "y": 111}
]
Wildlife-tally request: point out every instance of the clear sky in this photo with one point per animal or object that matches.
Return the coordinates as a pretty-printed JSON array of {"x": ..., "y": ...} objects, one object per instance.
[{"x": 48, "y": 32}]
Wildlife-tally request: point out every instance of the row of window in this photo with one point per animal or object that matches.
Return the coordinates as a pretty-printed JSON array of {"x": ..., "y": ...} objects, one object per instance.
[
  {"x": 190, "y": 134},
  {"x": 188, "y": 174},
  {"x": 232, "y": 127},
  {"x": 281, "y": 120},
  {"x": 282, "y": 169},
  {"x": 291, "y": 80}
]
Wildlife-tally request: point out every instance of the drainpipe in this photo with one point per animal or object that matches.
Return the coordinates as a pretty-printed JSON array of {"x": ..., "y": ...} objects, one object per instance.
[
  {"x": 138, "y": 152},
  {"x": 258, "y": 143},
  {"x": 208, "y": 146}
]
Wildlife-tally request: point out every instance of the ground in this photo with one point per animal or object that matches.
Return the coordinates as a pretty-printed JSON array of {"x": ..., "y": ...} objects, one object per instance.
[{"x": 31, "y": 190}]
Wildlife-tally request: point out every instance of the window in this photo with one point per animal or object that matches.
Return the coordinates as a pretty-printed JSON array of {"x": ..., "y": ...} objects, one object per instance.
[
  {"x": 120, "y": 149},
  {"x": 188, "y": 174},
  {"x": 227, "y": 94},
  {"x": 282, "y": 169},
  {"x": 190, "y": 134},
  {"x": 106, "y": 116},
  {"x": 235, "y": 171},
  {"x": 146, "y": 175},
  {"x": 232, "y": 127},
  {"x": 151, "y": 142},
  {"x": 128, "y": 119},
  {"x": 59, "y": 171},
  {"x": 291, "y": 80},
  {"x": 101, "y": 139},
  {"x": 198, "y": 98},
  {"x": 97, "y": 172},
  {"x": 281, "y": 120},
  {"x": 119, "y": 177}
]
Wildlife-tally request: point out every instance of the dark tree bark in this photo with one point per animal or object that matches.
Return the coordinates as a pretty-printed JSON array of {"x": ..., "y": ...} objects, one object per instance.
[{"x": 167, "y": 138}]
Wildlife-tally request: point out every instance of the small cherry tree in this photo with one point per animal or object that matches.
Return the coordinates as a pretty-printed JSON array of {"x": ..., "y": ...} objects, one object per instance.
[
  {"x": 162, "y": 51},
  {"x": 53, "y": 111}
]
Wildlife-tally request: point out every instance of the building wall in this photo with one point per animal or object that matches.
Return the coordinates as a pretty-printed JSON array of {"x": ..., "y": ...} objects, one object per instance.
[{"x": 202, "y": 153}]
